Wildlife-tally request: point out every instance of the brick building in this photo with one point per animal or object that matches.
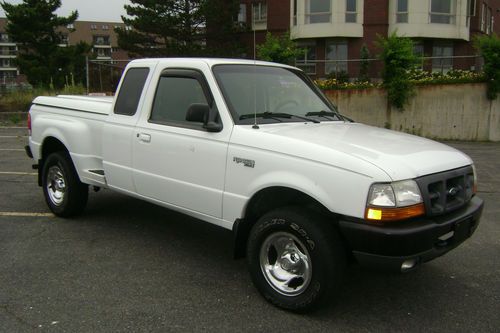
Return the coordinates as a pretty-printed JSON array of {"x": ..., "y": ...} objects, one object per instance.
[
  {"x": 100, "y": 35},
  {"x": 334, "y": 31}
]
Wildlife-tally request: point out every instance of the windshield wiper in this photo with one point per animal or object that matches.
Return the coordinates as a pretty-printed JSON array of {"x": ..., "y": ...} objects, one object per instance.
[
  {"x": 327, "y": 115},
  {"x": 276, "y": 115}
]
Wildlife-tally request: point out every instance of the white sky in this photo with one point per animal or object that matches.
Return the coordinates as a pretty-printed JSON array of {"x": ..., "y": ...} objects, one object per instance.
[{"x": 89, "y": 10}]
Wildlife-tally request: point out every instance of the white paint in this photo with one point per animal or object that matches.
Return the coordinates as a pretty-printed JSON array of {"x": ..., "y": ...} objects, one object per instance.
[
  {"x": 24, "y": 214},
  {"x": 10, "y": 149},
  {"x": 18, "y": 173}
]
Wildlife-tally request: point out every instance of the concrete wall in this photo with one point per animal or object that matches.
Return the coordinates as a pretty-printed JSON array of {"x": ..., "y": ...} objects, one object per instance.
[{"x": 446, "y": 112}]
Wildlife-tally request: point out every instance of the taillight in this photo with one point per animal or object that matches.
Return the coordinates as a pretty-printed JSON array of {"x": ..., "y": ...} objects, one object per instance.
[{"x": 29, "y": 123}]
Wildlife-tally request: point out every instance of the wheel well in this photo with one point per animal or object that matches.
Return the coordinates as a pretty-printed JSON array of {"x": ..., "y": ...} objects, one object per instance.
[
  {"x": 50, "y": 145},
  {"x": 264, "y": 201}
]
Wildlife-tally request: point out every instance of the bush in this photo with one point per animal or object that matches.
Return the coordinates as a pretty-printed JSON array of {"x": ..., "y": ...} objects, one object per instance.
[
  {"x": 278, "y": 49},
  {"x": 397, "y": 55},
  {"x": 489, "y": 47}
]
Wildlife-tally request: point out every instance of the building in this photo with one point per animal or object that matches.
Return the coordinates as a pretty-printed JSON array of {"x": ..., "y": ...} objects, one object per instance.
[
  {"x": 101, "y": 36},
  {"x": 332, "y": 32}
]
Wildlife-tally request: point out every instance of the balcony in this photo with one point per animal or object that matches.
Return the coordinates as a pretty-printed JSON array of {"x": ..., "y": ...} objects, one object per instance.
[
  {"x": 335, "y": 21},
  {"x": 101, "y": 42}
]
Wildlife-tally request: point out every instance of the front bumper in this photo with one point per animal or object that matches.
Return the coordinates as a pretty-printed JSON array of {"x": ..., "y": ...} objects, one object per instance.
[{"x": 416, "y": 241}]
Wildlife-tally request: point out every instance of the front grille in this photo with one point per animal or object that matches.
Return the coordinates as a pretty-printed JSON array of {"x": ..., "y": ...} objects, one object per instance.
[{"x": 446, "y": 191}]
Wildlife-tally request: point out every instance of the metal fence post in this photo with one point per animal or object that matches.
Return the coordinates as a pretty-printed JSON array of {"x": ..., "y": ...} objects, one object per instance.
[{"x": 87, "y": 73}]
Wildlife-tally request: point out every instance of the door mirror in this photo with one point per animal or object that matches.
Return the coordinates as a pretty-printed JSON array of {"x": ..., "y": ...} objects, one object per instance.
[
  {"x": 201, "y": 113},
  {"x": 198, "y": 113}
]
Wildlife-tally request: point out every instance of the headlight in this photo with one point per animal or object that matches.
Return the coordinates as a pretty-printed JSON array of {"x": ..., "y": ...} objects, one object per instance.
[{"x": 394, "y": 201}]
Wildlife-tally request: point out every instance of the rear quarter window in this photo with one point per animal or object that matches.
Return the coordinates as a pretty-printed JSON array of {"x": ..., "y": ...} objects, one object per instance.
[{"x": 131, "y": 91}]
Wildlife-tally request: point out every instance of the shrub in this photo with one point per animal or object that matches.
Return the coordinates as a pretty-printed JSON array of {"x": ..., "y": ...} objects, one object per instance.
[
  {"x": 489, "y": 47},
  {"x": 278, "y": 49},
  {"x": 397, "y": 55}
]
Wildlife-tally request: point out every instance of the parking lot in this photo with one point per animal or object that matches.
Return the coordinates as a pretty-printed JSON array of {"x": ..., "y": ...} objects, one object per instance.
[{"x": 127, "y": 265}]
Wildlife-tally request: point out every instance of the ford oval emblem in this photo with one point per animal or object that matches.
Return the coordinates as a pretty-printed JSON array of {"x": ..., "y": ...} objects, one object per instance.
[{"x": 453, "y": 191}]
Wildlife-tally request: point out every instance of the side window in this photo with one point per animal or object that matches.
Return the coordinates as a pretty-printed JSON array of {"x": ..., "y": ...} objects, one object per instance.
[
  {"x": 130, "y": 91},
  {"x": 174, "y": 96}
]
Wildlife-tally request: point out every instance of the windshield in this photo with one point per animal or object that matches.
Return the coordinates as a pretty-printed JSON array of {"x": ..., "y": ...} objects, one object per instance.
[{"x": 275, "y": 94}]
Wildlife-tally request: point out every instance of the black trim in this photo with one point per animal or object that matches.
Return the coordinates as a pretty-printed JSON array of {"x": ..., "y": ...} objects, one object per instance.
[
  {"x": 27, "y": 149},
  {"x": 71, "y": 109},
  {"x": 419, "y": 238}
]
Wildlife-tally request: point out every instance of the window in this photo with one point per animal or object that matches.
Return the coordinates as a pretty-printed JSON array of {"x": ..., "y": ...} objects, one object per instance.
[
  {"x": 103, "y": 53},
  {"x": 350, "y": 12},
  {"x": 131, "y": 91},
  {"x": 483, "y": 17},
  {"x": 442, "y": 11},
  {"x": 294, "y": 12},
  {"x": 307, "y": 59},
  {"x": 4, "y": 37},
  {"x": 259, "y": 12},
  {"x": 70, "y": 26},
  {"x": 442, "y": 57},
  {"x": 105, "y": 27},
  {"x": 5, "y": 62},
  {"x": 318, "y": 11},
  {"x": 418, "y": 50},
  {"x": 336, "y": 56},
  {"x": 101, "y": 40},
  {"x": 242, "y": 14},
  {"x": 402, "y": 11},
  {"x": 174, "y": 96},
  {"x": 489, "y": 21},
  {"x": 93, "y": 27},
  {"x": 64, "y": 39}
]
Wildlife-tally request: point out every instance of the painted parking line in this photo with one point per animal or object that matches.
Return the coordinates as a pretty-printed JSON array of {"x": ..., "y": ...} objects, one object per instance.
[
  {"x": 12, "y": 136},
  {"x": 10, "y": 149},
  {"x": 25, "y": 214},
  {"x": 18, "y": 173},
  {"x": 12, "y": 127}
]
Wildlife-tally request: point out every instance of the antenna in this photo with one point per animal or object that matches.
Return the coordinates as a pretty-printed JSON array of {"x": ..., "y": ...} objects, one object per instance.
[{"x": 255, "y": 126}]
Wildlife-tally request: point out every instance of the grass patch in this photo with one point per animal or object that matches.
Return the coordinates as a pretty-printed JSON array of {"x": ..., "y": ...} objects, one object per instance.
[{"x": 21, "y": 100}]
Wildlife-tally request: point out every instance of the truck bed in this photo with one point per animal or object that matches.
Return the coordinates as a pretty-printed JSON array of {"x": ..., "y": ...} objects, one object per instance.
[{"x": 101, "y": 105}]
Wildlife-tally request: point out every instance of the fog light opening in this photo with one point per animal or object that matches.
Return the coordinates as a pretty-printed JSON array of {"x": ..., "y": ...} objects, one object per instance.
[{"x": 408, "y": 264}]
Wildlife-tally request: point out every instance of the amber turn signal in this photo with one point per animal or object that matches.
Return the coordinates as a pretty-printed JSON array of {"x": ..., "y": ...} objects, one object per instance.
[{"x": 385, "y": 214}]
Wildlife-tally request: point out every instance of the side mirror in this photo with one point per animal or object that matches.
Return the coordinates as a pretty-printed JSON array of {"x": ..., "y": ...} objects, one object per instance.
[
  {"x": 201, "y": 113},
  {"x": 198, "y": 113}
]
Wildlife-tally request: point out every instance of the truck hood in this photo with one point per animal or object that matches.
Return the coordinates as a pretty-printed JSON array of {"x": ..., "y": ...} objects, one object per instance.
[{"x": 399, "y": 155}]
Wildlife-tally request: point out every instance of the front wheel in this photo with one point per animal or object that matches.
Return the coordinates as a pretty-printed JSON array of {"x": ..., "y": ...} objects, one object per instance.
[
  {"x": 295, "y": 257},
  {"x": 64, "y": 193}
]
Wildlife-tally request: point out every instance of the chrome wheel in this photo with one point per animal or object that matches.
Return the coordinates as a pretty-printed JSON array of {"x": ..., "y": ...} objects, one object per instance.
[
  {"x": 285, "y": 263},
  {"x": 56, "y": 185}
]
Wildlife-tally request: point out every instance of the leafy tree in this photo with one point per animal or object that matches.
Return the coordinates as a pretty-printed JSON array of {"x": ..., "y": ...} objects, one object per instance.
[
  {"x": 178, "y": 27},
  {"x": 398, "y": 57},
  {"x": 35, "y": 27},
  {"x": 489, "y": 47},
  {"x": 278, "y": 49}
]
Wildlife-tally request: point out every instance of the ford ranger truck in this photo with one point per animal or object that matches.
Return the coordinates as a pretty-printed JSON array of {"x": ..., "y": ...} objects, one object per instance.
[{"x": 256, "y": 148}]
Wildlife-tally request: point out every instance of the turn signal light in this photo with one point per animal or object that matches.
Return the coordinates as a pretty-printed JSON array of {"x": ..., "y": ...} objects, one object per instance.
[{"x": 385, "y": 214}]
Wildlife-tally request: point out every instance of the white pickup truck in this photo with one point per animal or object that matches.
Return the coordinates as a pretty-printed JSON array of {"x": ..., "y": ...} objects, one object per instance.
[{"x": 256, "y": 148}]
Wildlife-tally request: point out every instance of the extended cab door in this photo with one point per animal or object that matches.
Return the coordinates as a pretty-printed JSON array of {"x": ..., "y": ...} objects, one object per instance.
[
  {"x": 176, "y": 159},
  {"x": 118, "y": 131}
]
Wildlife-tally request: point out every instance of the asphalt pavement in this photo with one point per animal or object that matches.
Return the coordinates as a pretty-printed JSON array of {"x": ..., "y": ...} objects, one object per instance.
[{"x": 127, "y": 265}]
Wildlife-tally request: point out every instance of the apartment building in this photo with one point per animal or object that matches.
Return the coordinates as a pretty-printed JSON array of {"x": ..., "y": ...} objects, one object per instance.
[
  {"x": 100, "y": 36},
  {"x": 332, "y": 32}
]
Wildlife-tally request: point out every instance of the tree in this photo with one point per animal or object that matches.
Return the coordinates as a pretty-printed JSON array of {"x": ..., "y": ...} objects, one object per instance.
[
  {"x": 398, "y": 57},
  {"x": 364, "y": 64},
  {"x": 489, "y": 47},
  {"x": 35, "y": 27},
  {"x": 278, "y": 49},
  {"x": 178, "y": 27}
]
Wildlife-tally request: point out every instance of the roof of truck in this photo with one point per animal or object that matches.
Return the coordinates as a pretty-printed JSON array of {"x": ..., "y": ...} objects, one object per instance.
[{"x": 212, "y": 61}]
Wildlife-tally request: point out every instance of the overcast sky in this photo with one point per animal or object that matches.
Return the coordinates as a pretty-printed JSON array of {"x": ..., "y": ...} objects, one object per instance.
[{"x": 89, "y": 10}]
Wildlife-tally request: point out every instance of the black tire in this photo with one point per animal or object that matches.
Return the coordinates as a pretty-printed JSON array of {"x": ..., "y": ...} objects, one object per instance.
[
  {"x": 65, "y": 195},
  {"x": 307, "y": 233}
]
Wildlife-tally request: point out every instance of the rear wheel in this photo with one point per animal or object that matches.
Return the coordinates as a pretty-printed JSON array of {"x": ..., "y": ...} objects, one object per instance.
[
  {"x": 295, "y": 258},
  {"x": 64, "y": 193}
]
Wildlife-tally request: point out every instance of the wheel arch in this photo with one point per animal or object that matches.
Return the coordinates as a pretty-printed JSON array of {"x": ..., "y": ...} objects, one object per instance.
[
  {"x": 50, "y": 145},
  {"x": 268, "y": 199}
]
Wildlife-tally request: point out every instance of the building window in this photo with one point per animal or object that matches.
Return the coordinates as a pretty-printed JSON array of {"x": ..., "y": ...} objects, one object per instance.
[
  {"x": 105, "y": 27},
  {"x": 336, "y": 57},
  {"x": 4, "y": 38},
  {"x": 242, "y": 14},
  {"x": 351, "y": 12},
  {"x": 70, "y": 26},
  {"x": 442, "y": 54},
  {"x": 101, "y": 40},
  {"x": 402, "y": 11},
  {"x": 294, "y": 12},
  {"x": 5, "y": 63},
  {"x": 307, "y": 59},
  {"x": 103, "y": 53},
  {"x": 259, "y": 12},
  {"x": 442, "y": 11},
  {"x": 489, "y": 22},
  {"x": 318, "y": 11},
  {"x": 93, "y": 27},
  {"x": 418, "y": 50}
]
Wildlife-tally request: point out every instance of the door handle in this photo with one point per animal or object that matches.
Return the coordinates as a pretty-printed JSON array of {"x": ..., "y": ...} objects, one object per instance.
[{"x": 144, "y": 137}]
